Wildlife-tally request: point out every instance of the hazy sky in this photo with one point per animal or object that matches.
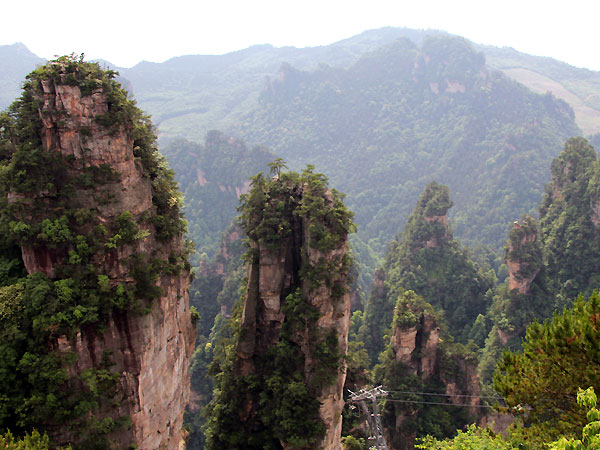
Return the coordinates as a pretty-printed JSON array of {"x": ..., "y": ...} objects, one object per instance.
[{"x": 128, "y": 31}]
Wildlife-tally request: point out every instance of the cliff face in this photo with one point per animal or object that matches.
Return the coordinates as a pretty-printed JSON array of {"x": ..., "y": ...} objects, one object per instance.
[
  {"x": 441, "y": 220},
  {"x": 428, "y": 260},
  {"x": 118, "y": 241},
  {"x": 293, "y": 329},
  {"x": 569, "y": 219},
  {"x": 522, "y": 269},
  {"x": 270, "y": 279},
  {"x": 418, "y": 360}
]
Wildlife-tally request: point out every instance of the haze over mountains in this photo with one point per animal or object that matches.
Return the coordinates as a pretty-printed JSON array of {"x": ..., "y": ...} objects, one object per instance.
[
  {"x": 435, "y": 142},
  {"x": 379, "y": 114},
  {"x": 171, "y": 91}
]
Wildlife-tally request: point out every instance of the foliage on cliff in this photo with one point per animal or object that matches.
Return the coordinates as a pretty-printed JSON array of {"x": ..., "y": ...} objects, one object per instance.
[
  {"x": 212, "y": 178},
  {"x": 404, "y": 114},
  {"x": 30, "y": 441},
  {"x": 426, "y": 259},
  {"x": 560, "y": 355},
  {"x": 47, "y": 214},
  {"x": 217, "y": 287},
  {"x": 553, "y": 259},
  {"x": 406, "y": 414},
  {"x": 569, "y": 221},
  {"x": 473, "y": 438},
  {"x": 276, "y": 403},
  {"x": 540, "y": 383}
]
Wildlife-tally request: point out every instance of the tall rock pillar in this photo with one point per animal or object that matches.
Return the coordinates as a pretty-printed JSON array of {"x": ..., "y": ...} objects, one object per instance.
[
  {"x": 288, "y": 358},
  {"x": 103, "y": 230}
]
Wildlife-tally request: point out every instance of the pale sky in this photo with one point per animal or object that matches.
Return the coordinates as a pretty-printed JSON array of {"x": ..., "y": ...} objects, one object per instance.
[{"x": 128, "y": 31}]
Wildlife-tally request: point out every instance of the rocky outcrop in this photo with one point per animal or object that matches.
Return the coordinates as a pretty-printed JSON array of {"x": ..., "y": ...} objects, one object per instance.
[
  {"x": 150, "y": 345},
  {"x": 421, "y": 357},
  {"x": 416, "y": 346},
  {"x": 152, "y": 353},
  {"x": 522, "y": 270},
  {"x": 271, "y": 278},
  {"x": 436, "y": 240},
  {"x": 287, "y": 372}
]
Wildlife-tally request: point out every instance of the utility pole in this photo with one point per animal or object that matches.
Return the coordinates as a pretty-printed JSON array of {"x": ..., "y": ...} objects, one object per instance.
[{"x": 374, "y": 418}]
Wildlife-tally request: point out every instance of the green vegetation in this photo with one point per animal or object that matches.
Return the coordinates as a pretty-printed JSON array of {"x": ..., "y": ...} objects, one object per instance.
[
  {"x": 591, "y": 432},
  {"x": 557, "y": 257},
  {"x": 483, "y": 439},
  {"x": 55, "y": 215},
  {"x": 405, "y": 114},
  {"x": 558, "y": 356},
  {"x": 579, "y": 87},
  {"x": 277, "y": 402},
  {"x": 568, "y": 220},
  {"x": 381, "y": 128},
  {"x": 539, "y": 384},
  {"x": 212, "y": 177},
  {"x": 430, "y": 262},
  {"x": 33, "y": 441},
  {"x": 473, "y": 438},
  {"x": 406, "y": 374}
]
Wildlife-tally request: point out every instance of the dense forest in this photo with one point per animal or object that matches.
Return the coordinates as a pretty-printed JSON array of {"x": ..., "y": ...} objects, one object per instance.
[{"x": 458, "y": 271}]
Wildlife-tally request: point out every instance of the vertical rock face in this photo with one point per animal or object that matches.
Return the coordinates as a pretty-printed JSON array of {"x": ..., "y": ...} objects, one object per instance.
[
  {"x": 416, "y": 344},
  {"x": 293, "y": 330},
  {"x": 417, "y": 360},
  {"x": 130, "y": 250},
  {"x": 521, "y": 257},
  {"x": 442, "y": 220},
  {"x": 270, "y": 279}
]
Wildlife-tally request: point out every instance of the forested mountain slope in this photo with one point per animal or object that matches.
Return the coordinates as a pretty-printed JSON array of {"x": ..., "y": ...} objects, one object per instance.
[
  {"x": 190, "y": 95},
  {"x": 212, "y": 177},
  {"x": 489, "y": 142},
  {"x": 580, "y": 88},
  {"x": 553, "y": 260},
  {"x": 404, "y": 115}
]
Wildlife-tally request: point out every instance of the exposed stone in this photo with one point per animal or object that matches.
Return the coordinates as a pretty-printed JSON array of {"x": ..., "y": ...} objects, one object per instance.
[
  {"x": 454, "y": 86},
  {"x": 271, "y": 277},
  {"x": 404, "y": 342},
  {"x": 442, "y": 220},
  {"x": 515, "y": 278},
  {"x": 463, "y": 387},
  {"x": 150, "y": 351},
  {"x": 416, "y": 345}
]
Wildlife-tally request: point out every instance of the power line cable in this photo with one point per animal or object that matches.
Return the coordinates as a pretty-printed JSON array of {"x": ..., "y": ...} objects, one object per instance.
[
  {"x": 444, "y": 395},
  {"x": 438, "y": 403}
]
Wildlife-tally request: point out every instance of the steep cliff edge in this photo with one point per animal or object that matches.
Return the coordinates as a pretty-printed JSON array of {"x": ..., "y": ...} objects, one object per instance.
[
  {"x": 282, "y": 378},
  {"x": 421, "y": 358},
  {"x": 96, "y": 214},
  {"x": 427, "y": 259},
  {"x": 523, "y": 256}
]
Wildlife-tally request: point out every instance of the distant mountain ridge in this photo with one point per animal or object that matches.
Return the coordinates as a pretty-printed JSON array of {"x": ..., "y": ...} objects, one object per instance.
[
  {"x": 190, "y": 95},
  {"x": 497, "y": 139},
  {"x": 16, "y": 61},
  {"x": 405, "y": 115}
]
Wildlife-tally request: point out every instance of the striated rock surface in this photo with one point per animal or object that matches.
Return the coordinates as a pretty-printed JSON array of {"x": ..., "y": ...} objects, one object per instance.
[
  {"x": 293, "y": 330},
  {"x": 108, "y": 192},
  {"x": 521, "y": 269},
  {"x": 418, "y": 356},
  {"x": 270, "y": 279}
]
